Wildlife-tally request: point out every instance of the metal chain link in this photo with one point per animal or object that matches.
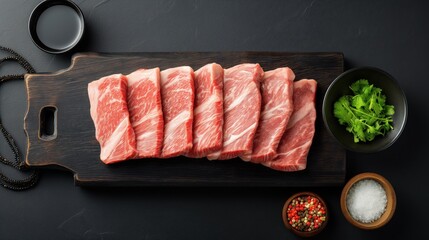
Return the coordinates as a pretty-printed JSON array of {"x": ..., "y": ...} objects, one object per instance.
[{"x": 5, "y": 181}]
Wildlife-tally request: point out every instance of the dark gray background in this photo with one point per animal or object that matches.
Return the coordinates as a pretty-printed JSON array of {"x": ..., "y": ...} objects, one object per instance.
[{"x": 391, "y": 35}]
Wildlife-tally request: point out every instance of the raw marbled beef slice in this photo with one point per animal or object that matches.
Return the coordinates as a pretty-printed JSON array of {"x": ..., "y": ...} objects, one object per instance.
[
  {"x": 145, "y": 108},
  {"x": 109, "y": 111},
  {"x": 242, "y": 108},
  {"x": 277, "y": 107},
  {"x": 208, "y": 111},
  {"x": 298, "y": 137},
  {"x": 177, "y": 93}
]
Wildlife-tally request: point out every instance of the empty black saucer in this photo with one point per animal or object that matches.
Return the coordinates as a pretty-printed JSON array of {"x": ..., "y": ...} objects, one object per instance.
[{"x": 56, "y": 26}]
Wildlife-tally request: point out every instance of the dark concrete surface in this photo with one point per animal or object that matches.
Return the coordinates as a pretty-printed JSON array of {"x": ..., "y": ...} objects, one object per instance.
[{"x": 391, "y": 35}]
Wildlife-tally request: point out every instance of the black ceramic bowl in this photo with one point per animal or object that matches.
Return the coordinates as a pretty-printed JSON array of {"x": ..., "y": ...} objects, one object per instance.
[
  {"x": 56, "y": 26},
  {"x": 394, "y": 96}
]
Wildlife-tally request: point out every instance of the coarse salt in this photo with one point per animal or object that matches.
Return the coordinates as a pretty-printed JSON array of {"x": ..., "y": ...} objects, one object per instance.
[{"x": 366, "y": 201}]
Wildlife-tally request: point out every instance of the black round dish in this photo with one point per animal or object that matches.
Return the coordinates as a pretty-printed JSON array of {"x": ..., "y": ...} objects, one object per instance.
[
  {"x": 72, "y": 36},
  {"x": 394, "y": 94}
]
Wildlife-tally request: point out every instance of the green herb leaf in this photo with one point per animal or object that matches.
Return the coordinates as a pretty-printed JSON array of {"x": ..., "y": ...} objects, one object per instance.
[{"x": 366, "y": 113}]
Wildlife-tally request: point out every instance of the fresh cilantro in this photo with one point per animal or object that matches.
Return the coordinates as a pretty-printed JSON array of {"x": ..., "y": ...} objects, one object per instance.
[{"x": 365, "y": 114}]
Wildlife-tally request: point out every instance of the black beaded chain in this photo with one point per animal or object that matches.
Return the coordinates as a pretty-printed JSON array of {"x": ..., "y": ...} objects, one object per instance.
[{"x": 5, "y": 181}]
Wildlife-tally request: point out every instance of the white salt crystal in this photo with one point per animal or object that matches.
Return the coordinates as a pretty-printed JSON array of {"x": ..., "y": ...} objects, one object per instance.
[{"x": 366, "y": 201}]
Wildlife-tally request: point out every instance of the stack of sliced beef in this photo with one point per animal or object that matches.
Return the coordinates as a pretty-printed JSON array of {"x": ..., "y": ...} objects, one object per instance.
[{"x": 221, "y": 114}]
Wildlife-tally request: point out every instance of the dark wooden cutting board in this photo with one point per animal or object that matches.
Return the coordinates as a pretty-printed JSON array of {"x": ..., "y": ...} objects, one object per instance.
[{"x": 61, "y": 133}]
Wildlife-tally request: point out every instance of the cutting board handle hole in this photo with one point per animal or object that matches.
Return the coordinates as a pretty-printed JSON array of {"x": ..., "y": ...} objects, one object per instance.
[{"x": 48, "y": 123}]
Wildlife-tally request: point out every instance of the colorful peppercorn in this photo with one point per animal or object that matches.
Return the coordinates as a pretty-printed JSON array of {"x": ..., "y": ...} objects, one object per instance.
[{"x": 306, "y": 213}]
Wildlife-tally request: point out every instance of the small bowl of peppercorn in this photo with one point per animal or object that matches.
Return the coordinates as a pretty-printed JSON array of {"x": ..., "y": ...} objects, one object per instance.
[{"x": 305, "y": 214}]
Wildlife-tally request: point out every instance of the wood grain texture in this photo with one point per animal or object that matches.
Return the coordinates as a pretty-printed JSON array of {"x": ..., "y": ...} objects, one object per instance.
[{"x": 76, "y": 149}]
